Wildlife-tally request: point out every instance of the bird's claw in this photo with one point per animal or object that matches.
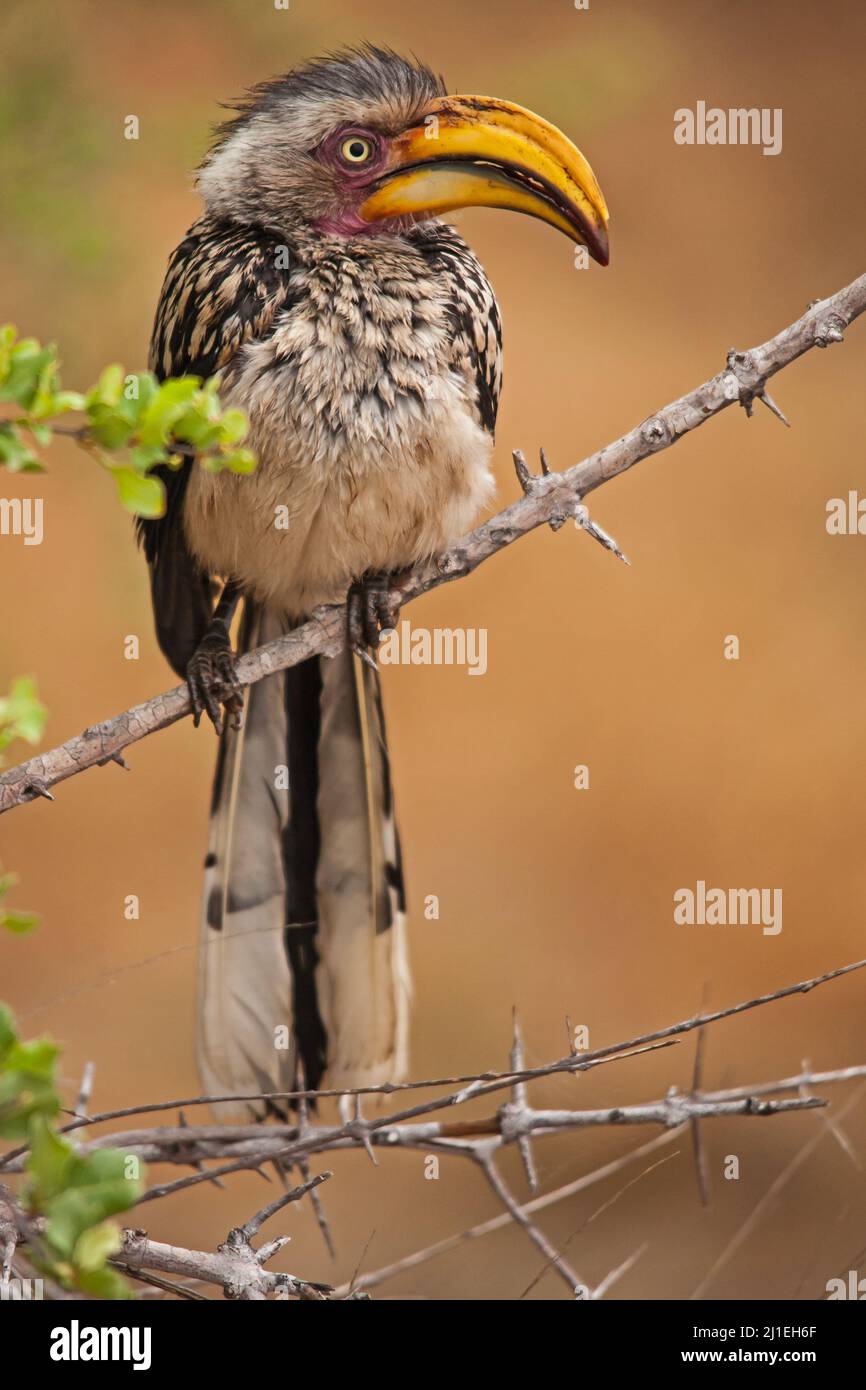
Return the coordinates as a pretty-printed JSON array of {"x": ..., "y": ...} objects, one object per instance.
[
  {"x": 372, "y": 607},
  {"x": 213, "y": 685}
]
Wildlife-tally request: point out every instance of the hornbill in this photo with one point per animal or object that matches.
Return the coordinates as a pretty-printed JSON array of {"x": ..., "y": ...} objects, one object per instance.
[{"x": 362, "y": 338}]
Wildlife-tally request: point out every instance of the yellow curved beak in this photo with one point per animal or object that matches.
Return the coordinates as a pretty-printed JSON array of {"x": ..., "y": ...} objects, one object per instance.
[{"x": 470, "y": 151}]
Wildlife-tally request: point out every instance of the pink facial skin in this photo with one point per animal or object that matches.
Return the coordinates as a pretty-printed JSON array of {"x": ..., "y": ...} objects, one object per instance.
[
  {"x": 354, "y": 179},
  {"x": 347, "y": 224}
]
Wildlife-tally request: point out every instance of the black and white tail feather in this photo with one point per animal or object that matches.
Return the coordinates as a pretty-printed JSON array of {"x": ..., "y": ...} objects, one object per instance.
[{"x": 303, "y": 952}]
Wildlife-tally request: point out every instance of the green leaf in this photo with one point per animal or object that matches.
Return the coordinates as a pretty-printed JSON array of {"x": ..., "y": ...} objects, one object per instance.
[
  {"x": 144, "y": 456},
  {"x": 147, "y": 389},
  {"x": 195, "y": 428},
  {"x": 178, "y": 390},
  {"x": 112, "y": 426},
  {"x": 26, "y": 1079},
  {"x": 8, "y": 334},
  {"x": 233, "y": 427},
  {"x": 17, "y": 456},
  {"x": 25, "y": 1090},
  {"x": 74, "y": 1193},
  {"x": 95, "y": 1187},
  {"x": 168, "y": 404},
  {"x": 103, "y": 1284},
  {"x": 134, "y": 416},
  {"x": 65, "y": 401},
  {"x": 36, "y": 1057},
  {"x": 23, "y": 709},
  {"x": 42, "y": 404},
  {"x": 22, "y": 714},
  {"x": 108, "y": 389},
  {"x": 140, "y": 495},
  {"x": 238, "y": 461},
  {"x": 50, "y": 1163},
  {"x": 95, "y": 1245},
  {"x": 29, "y": 370},
  {"x": 8, "y": 1035},
  {"x": 18, "y": 923}
]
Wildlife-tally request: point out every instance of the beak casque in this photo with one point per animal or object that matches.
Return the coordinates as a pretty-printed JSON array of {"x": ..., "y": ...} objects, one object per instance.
[{"x": 470, "y": 151}]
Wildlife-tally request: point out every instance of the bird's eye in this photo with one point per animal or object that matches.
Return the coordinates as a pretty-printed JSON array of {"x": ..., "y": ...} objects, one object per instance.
[{"x": 356, "y": 150}]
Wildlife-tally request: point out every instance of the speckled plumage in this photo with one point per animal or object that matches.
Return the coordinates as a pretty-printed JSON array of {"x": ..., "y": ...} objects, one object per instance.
[{"x": 370, "y": 369}]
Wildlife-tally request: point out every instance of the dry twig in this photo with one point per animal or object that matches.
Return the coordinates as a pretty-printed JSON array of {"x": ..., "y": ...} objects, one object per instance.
[{"x": 480, "y": 1140}]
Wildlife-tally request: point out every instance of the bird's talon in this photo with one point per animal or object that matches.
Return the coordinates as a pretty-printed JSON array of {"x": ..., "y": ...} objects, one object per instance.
[
  {"x": 212, "y": 682},
  {"x": 370, "y": 609},
  {"x": 387, "y": 612}
]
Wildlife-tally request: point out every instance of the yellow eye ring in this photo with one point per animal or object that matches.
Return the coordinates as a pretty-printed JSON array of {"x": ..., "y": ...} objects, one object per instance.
[{"x": 356, "y": 150}]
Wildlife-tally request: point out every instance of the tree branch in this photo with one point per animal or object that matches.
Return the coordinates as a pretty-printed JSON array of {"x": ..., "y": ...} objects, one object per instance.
[
  {"x": 250, "y": 1146},
  {"x": 237, "y": 1268},
  {"x": 497, "y": 1223},
  {"x": 548, "y": 499}
]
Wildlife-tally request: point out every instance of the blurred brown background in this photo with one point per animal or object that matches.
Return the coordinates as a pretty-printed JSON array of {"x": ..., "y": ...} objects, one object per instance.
[{"x": 745, "y": 773}]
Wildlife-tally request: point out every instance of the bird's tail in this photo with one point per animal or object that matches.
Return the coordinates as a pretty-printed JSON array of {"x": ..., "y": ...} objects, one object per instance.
[{"x": 302, "y": 954}]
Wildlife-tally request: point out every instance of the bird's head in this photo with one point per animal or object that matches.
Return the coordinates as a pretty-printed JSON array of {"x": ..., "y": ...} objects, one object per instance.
[{"x": 365, "y": 142}]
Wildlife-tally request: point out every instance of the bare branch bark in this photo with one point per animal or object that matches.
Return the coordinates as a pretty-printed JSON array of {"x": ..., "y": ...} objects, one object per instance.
[
  {"x": 549, "y": 499},
  {"x": 488, "y": 1082},
  {"x": 253, "y": 1145},
  {"x": 235, "y": 1266},
  {"x": 554, "y": 1257},
  {"x": 249, "y": 1146}
]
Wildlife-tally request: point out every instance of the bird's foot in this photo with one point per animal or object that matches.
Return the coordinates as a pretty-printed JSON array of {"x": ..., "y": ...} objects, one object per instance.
[
  {"x": 213, "y": 686},
  {"x": 372, "y": 607}
]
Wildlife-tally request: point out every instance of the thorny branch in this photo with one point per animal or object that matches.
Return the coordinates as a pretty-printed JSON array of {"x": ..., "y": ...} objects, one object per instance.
[
  {"x": 548, "y": 499},
  {"x": 484, "y": 1083},
  {"x": 253, "y": 1145},
  {"x": 236, "y": 1267}
]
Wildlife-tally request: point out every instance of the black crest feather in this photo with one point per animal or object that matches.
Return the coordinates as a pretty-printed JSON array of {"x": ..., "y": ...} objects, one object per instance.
[{"x": 367, "y": 73}]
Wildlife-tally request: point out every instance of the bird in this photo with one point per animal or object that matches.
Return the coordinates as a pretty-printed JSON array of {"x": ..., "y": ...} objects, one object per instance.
[{"x": 324, "y": 289}]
